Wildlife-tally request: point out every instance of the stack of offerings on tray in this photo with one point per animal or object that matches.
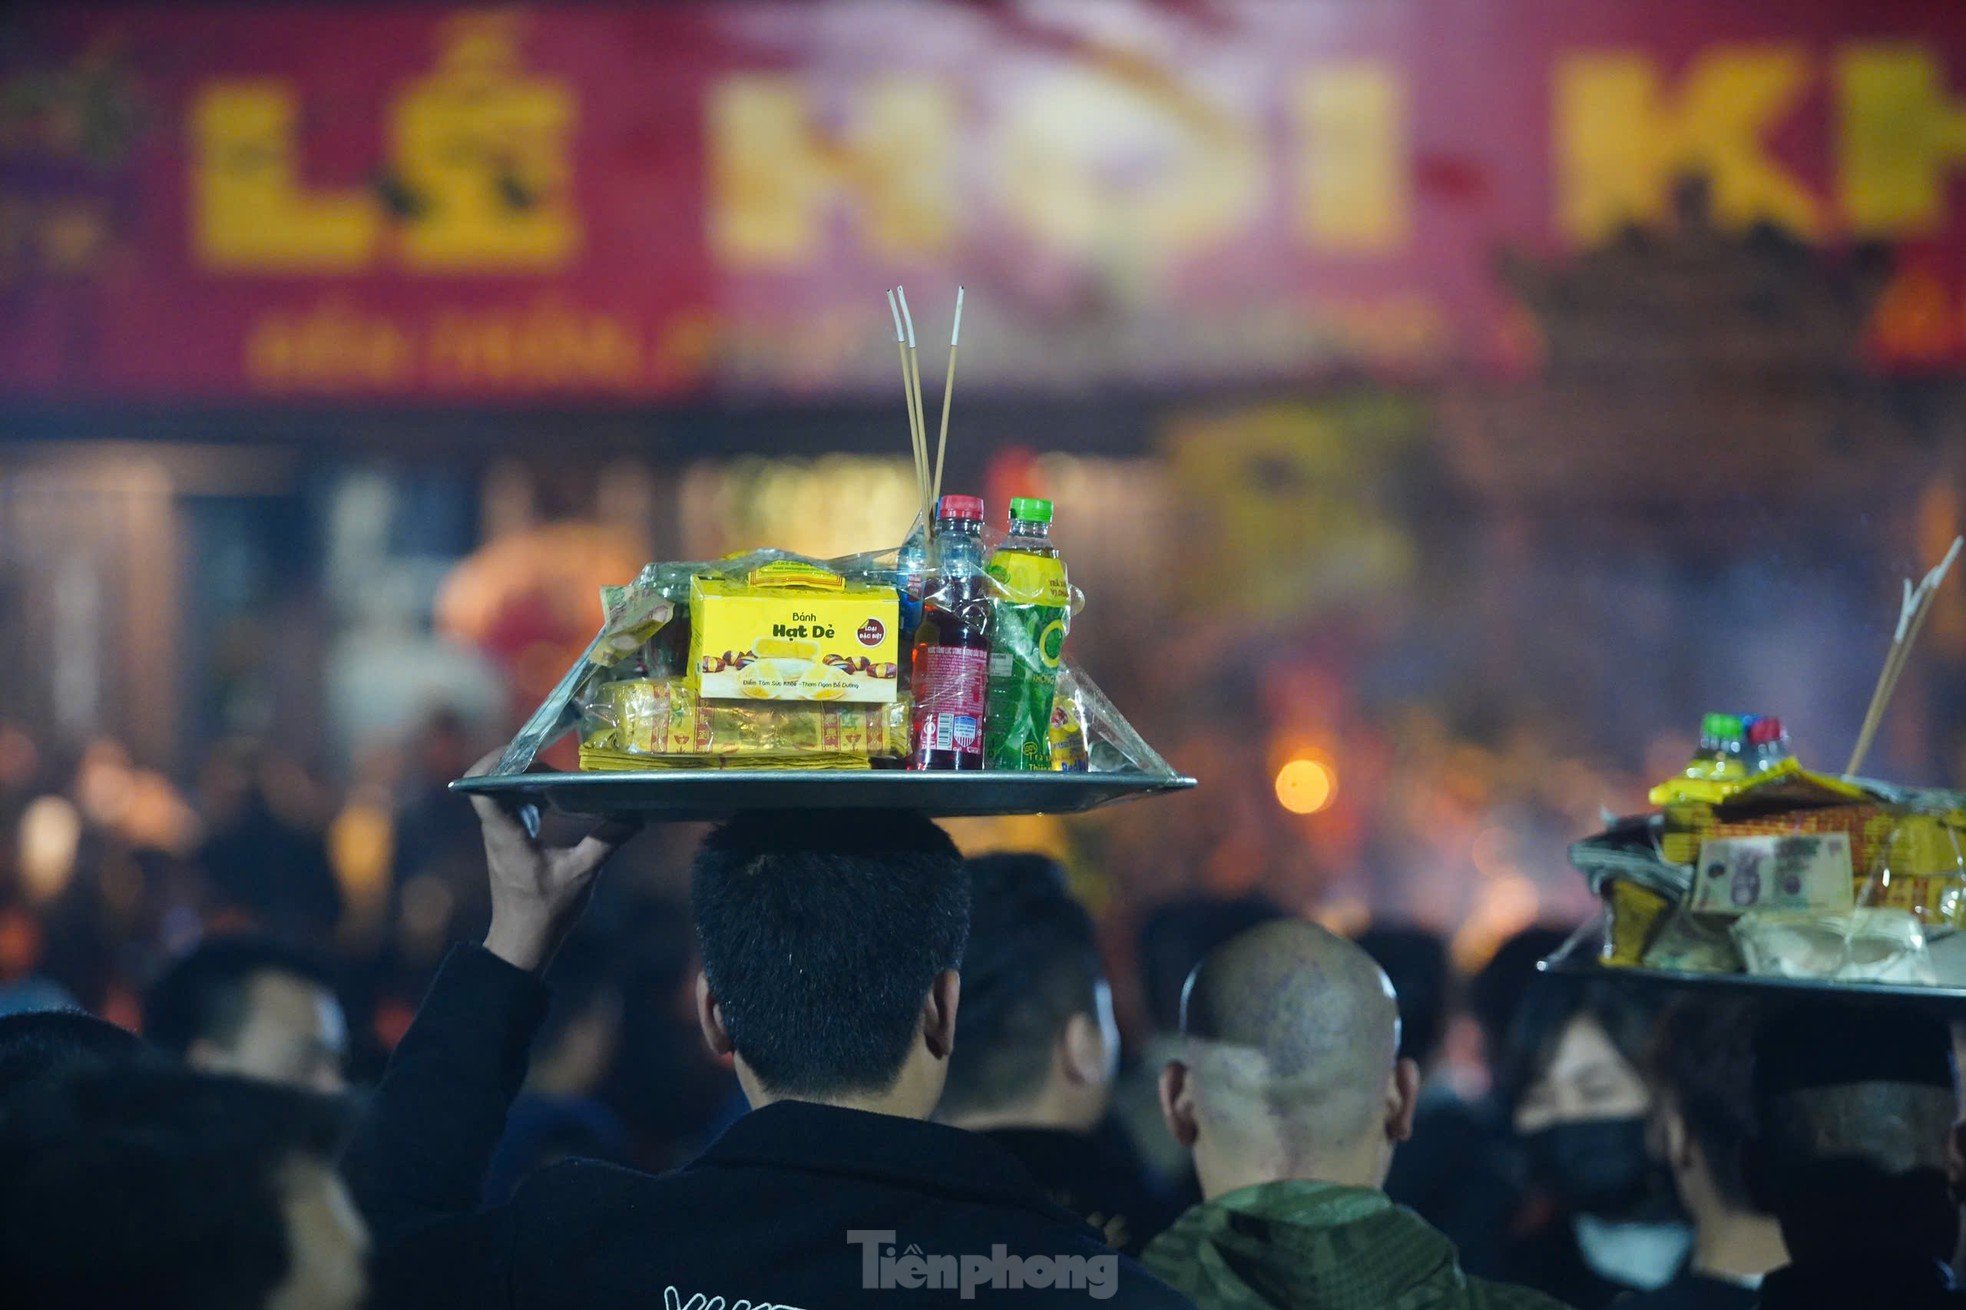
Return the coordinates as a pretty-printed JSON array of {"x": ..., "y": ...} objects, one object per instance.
[
  {"x": 946, "y": 653},
  {"x": 770, "y": 660},
  {"x": 1756, "y": 865},
  {"x": 762, "y": 663}
]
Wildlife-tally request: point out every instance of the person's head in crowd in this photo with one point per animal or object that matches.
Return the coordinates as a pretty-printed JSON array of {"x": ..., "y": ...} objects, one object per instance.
[
  {"x": 1497, "y": 988},
  {"x": 830, "y": 942},
  {"x": 158, "y": 1187},
  {"x": 1855, "y": 1106},
  {"x": 1416, "y": 961},
  {"x": 1572, "y": 1079},
  {"x": 1177, "y": 935},
  {"x": 250, "y": 1007},
  {"x": 578, "y": 1037},
  {"x": 1290, "y": 1065},
  {"x": 561, "y": 1116},
  {"x": 1700, "y": 1067},
  {"x": 54, "y": 1045},
  {"x": 1037, "y": 1046},
  {"x": 444, "y": 745},
  {"x": 33, "y": 993},
  {"x": 677, "y": 1090}
]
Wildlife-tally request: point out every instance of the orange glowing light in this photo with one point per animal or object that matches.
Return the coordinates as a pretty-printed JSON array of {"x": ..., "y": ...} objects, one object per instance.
[{"x": 1306, "y": 785}]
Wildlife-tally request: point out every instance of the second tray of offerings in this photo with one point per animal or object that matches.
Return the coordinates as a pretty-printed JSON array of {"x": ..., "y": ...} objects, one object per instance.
[
  {"x": 1755, "y": 872},
  {"x": 1755, "y": 869}
]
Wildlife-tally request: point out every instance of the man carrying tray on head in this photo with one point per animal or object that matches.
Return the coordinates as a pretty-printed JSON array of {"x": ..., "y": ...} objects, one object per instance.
[{"x": 830, "y": 942}]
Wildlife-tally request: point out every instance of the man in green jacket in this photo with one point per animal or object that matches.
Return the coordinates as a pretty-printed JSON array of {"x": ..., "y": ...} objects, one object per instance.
[{"x": 1291, "y": 1095}]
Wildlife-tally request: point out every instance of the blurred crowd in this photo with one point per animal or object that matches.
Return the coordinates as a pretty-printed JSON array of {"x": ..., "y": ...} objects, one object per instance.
[
  {"x": 109, "y": 875},
  {"x": 1587, "y": 1143}
]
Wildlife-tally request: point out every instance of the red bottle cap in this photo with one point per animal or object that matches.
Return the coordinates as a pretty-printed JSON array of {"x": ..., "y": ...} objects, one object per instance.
[
  {"x": 961, "y": 508},
  {"x": 1766, "y": 731}
]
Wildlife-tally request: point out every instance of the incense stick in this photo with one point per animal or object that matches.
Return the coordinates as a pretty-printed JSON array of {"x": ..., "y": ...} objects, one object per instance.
[
  {"x": 1912, "y": 612},
  {"x": 1927, "y": 599},
  {"x": 948, "y": 390},
  {"x": 921, "y": 420},
  {"x": 1881, "y": 692},
  {"x": 915, "y": 443},
  {"x": 917, "y": 439}
]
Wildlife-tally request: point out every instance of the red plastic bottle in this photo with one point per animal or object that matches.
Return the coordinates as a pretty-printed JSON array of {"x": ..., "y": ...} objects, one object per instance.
[{"x": 951, "y": 662}]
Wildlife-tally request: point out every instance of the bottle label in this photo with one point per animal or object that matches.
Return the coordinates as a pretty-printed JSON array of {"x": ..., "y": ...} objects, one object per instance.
[
  {"x": 1030, "y": 642},
  {"x": 1028, "y": 579},
  {"x": 952, "y": 686}
]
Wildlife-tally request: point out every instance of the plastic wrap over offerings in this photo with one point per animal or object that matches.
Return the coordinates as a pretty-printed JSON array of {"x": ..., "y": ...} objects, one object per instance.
[{"x": 946, "y": 654}]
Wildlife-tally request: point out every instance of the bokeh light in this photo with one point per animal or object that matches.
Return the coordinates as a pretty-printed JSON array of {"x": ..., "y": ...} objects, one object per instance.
[{"x": 1307, "y": 785}]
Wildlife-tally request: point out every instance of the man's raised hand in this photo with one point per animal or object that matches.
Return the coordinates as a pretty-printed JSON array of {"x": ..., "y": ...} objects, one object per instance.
[{"x": 537, "y": 890}]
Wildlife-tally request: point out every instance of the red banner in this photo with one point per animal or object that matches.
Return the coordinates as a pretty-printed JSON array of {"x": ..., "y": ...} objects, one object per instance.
[{"x": 655, "y": 202}]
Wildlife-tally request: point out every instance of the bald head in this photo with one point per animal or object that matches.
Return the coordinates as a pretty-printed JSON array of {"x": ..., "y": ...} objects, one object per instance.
[
  {"x": 1292, "y": 1040},
  {"x": 1303, "y": 996}
]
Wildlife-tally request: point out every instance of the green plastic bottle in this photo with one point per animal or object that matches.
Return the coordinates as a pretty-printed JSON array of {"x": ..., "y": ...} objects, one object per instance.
[{"x": 1033, "y": 610}]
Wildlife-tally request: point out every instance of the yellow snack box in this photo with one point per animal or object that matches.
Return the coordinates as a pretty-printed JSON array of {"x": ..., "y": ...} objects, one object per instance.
[{"x": 791, "y": 631}]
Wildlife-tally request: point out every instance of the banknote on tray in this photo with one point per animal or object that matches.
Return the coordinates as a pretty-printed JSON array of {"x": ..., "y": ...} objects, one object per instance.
[{"x": 1776, "y": 872}]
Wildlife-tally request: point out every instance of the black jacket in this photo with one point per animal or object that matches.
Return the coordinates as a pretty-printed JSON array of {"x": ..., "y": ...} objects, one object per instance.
[
  {"x": 1691, "y": 1291},
  {"x": 1862, "y": 1280},
  {"x": 1097, "y": 1176},
  {"x": 795, "y": 1205}
]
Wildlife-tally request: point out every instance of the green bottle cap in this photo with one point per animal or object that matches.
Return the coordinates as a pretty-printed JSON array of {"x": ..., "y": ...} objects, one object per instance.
[
  {"x": 1029, "y": 509},
  {"x": 1724, "y": 726}
]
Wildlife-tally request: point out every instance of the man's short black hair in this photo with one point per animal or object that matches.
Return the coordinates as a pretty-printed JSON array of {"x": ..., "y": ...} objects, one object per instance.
[
  {"x": 1031, "y": 965},
  {"x": 153, "y": 1186},
  {"x": 1702, "y": 1061},
  {"x": 204, "y": 996},
  {"x": 821, "y": 932},
  {"x": 50, "y": 1045}
]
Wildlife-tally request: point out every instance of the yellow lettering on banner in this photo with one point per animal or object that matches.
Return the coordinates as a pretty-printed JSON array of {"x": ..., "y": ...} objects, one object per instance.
[
  {"x": 777, "y": 179},
  {"x": 250, "y": 210},
  {"x": 548, "y": 343},
  {"x": 331, "y": 344},
  {"x": 1353, "y": 192},
  {"x": 1620, "y": 145},
  {"x": 1900, "y": 139},
  {"x": 484, "y": 157},
  {"x": 1131, "y": 174}
]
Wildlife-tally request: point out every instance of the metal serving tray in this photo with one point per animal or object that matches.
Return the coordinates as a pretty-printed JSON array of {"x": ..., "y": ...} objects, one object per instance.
[
  {"x": 678, "y": 795},
  {"x": 1570, "y": 962}
]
